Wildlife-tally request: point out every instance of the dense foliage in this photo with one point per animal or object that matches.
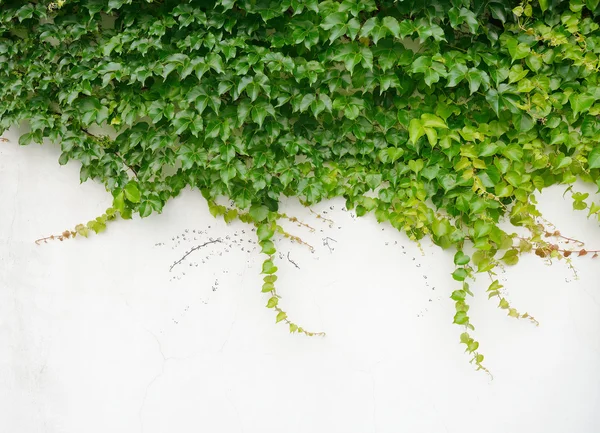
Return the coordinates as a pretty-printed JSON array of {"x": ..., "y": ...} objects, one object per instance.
[{"x": 437, "y": 116}]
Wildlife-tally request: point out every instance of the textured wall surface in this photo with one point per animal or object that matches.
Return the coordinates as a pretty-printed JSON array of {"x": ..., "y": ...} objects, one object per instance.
[{"x": 99, "y": 335}]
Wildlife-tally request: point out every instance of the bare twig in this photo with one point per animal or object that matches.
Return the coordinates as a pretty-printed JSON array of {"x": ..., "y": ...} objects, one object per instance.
[
  {"x": 197, "y": 247},
  {"x": 326, "y": 243},
  {"x": 61, "y": 237},
  {"x": 292, "y": 262}
]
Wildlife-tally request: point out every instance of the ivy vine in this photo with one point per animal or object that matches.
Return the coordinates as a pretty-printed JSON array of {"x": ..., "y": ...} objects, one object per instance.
[{"x": 440, "y": 117}]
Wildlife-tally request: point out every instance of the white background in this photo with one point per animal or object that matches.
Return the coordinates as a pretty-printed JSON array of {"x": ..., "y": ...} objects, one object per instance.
[{"x": 96, "y": 335}]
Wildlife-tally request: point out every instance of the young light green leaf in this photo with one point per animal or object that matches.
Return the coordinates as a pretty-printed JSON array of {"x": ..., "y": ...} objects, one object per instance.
[
  {"x": 268, "y": 267},
  {"x": 415, "y": 130},
  {"x": 132, "y": 193},
  {"x": 460, "y": 258},
  {"x": 265, "y": 232},
  {"x": 433, "y": 121},
  {"x": 273, "y": 301},
  {"x": 594, "y": 158}
]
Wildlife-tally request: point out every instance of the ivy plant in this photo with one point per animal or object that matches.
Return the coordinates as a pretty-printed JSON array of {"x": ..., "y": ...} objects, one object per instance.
[{"x": 439, "y": 117}]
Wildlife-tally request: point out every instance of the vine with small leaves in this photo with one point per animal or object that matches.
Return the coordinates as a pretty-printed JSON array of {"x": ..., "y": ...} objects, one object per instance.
[{"x": 440, "y": 117}]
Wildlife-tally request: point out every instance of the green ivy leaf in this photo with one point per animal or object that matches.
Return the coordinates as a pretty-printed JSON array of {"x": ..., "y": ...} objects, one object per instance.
[
  {"x": 265, "y": 232},
  {"x": 461, "y": 258},
  {"x": 268, "y": 267},
  {"x": 230, "y": 215},
  {"x": 268, "y": 248},
  {"x": 268, "y": 287},
  {"x": 259, "y": 213},
  {"x": 119, "y": 202},
  {"x": 594, "y": 158},
  {"x": 25, "y": 12},
  {"x": 432, "y": 121},
  {"x": 373, "y": 180},
  {"x": 145, "y": 209},
  {"x": 461, "y": 318},
  {"x": 460, "y": 274},
  {"x": 581, "y": 102},
  {"x": 273, "y": 301},
  {"x": 458, "y": 295},
  {"x": 511, "y": 257},
  {"x": 415, "y": 130},
  {"x": 392, "y": 25},
  {"x": 132, "y": 193}
]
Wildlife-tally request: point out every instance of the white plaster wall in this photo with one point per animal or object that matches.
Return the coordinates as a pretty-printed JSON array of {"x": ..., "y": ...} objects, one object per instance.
[{"x": 97, "y": 336}]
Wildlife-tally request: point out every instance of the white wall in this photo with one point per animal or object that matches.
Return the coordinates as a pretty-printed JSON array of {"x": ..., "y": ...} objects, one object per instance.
[{"x": 97, "y": 337}]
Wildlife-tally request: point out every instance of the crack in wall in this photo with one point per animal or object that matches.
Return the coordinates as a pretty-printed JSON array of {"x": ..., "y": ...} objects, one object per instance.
[{"x": 153, "y": 380}]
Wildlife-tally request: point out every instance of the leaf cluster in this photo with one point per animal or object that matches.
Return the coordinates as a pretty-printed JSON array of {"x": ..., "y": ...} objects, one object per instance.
[{"x": 439, "y": 117}]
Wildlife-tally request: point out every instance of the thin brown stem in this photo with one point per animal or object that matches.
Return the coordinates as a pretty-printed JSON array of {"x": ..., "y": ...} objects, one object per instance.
[{"x": 61, "y": 237}]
